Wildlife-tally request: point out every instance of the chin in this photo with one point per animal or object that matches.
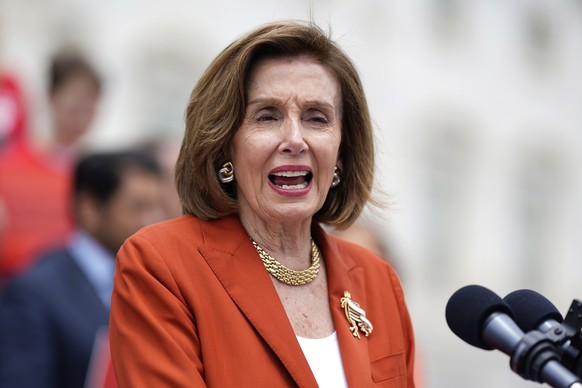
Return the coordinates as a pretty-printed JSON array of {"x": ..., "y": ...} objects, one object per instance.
[{"x": 296, "y": 212}]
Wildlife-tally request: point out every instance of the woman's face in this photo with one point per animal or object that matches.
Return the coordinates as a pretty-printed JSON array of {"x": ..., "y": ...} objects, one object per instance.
[{"x": 286, "y": 149}]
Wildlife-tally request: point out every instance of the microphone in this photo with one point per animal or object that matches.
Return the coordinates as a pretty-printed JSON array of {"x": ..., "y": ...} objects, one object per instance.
[
  {"x": 482, "y": 319},
  {"x": 534, "y": 312}
]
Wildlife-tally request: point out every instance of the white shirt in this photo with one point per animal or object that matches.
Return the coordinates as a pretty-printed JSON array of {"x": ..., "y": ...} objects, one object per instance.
[
  {"x": 96, "y": 262},
  {"x": 324, "y": 358}
]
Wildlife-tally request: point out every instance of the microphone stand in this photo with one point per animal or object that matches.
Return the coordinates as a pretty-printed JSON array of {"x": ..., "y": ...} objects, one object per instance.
[
  {"x": 539, "y": 356},
  {"x": 536, "y": 358},
  {"x": 572, "y": 327}
]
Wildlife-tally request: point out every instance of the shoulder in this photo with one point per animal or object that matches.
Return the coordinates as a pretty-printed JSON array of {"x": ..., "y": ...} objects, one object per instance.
[
  {"x": 189, "y": 230},
  {"x": 43, "y": 278},
  {"x": 169, "y": 227},
  {"x": 17, "y": 161},
  {"x": 48, "y": 266},
  {"x": 362, "y": 256},
  {"x": 379, "y": 272},
  {"x": 180, "y": 240},
  {"x": 16, "y": 154},
  {"x": 185, "y": 229}
]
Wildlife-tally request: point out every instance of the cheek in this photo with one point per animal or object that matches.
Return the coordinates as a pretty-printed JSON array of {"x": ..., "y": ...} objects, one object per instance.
[
  {"x": 248, "y": 179},
  {"x": 250, "y": 156},
  {"x": 330, "y": 152},
  {"x": 119, "y": 218}
]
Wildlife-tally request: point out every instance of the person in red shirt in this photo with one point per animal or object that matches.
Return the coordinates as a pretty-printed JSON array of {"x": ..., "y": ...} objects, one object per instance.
[
  {"x": 12, "y": 109},
  {"x": 35, "y": 181}
]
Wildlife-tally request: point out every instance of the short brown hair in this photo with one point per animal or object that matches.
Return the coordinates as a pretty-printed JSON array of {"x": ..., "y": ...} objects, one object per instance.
[
  {"x": 67, "y": 65},
  {"x": 217, "y": 108}
]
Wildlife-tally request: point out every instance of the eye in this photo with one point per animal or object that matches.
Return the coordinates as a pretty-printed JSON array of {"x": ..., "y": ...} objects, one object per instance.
[
  {"x": 316, "y": 117},
  {"x": 266, "y": 114},
  {"x": 319, "y": 119},
  {"x": 265, "y": 117}
]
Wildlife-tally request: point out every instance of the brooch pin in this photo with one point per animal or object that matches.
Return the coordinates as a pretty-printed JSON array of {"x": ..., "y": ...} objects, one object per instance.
[{"x": 356, "y": 316}]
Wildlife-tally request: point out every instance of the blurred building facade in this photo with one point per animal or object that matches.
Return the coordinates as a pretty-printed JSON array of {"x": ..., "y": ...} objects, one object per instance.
[{"x": 477, "y": 106}]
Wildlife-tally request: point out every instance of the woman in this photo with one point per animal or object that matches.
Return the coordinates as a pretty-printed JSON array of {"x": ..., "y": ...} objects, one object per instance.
[{"x": 246, "y": 289}]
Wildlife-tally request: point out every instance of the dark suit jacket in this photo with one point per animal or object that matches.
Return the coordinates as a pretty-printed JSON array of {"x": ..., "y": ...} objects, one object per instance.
[
  {"x": 194, "y": 306},
  {"x": 48, "y": 321}
]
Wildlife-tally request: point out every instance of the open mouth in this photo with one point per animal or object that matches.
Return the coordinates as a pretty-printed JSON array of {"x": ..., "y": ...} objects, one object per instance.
[{"x": 291, "y": 180}]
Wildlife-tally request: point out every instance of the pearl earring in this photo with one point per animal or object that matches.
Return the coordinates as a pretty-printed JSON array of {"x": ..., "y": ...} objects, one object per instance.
[{"x": 336, "y": 178}]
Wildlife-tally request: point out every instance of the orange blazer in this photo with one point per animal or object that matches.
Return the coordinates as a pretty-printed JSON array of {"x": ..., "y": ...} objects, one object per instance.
[{"x": 193, "y": 306}]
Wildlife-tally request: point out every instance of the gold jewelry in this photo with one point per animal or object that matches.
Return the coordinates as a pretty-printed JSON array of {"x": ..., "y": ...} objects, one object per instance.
[
  {"x": 288, "y": 275},
  {"x": 356, "y": 316},
  {"x": 226, "y": 173}
]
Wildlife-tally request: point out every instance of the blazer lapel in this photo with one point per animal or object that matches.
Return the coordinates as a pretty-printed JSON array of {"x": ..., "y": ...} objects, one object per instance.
[
  {"x": 343, "y": 275},
  {"x": 231, "y": 255}
]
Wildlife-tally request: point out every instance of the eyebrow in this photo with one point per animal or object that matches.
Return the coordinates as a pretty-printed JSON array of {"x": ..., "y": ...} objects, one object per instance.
[{"x": 274, "y": 101}]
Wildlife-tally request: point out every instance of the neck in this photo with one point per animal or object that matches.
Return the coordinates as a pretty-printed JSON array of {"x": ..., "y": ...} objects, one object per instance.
[{"x": 289, "y": 243}]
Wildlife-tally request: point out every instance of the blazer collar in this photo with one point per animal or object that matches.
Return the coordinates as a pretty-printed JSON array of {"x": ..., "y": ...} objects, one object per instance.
[
  {"x": 230, "y": 254},
  {"x": 343, "y": 274}
]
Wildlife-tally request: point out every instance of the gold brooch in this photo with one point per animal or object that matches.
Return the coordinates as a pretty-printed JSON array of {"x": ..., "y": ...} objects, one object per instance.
[{"x": 356, "y": 316}]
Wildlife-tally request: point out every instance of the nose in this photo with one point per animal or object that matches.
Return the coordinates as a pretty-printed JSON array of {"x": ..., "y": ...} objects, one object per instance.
[{"x": 292, "y": 138}]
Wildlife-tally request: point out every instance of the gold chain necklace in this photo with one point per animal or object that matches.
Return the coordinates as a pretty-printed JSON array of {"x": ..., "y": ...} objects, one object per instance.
[{"x": 288, "y": 275}]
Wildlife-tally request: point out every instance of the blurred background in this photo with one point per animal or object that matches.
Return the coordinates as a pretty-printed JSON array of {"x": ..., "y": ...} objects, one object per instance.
[{"x": 477, "y": 108}]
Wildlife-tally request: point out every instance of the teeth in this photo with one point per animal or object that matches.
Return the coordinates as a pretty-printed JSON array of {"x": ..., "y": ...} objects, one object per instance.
[
  {"x": 294, "y": 187},
  {"x": 290, "y": 173}
]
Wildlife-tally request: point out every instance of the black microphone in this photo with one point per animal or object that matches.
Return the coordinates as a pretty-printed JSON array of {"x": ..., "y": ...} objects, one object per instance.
[
  {"x": 481, "y": 318},
  {"x": 534, "y": 311}
]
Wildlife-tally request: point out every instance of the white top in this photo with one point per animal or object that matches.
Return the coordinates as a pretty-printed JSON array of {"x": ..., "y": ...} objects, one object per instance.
[
  {"x": 96, "y": 262},
  {"x": 323, "y": 356}
]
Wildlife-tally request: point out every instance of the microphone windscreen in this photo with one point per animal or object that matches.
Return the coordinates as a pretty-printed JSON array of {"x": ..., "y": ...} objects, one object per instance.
[
  {"x": 468, "y": 309},
  {"x": 531, "y": 309}
]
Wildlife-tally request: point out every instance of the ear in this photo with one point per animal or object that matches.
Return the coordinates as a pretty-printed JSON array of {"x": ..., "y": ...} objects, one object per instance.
[
  {"x": 339, "y": 164},
  {"x": 88, "y": 212},
  {"x": 227, "y": 152}
]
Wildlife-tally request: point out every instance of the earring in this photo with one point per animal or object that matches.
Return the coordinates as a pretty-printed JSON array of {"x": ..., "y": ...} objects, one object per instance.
[
  {"x": 226, "y": 173},
  {"x": 336, "y": 178}
]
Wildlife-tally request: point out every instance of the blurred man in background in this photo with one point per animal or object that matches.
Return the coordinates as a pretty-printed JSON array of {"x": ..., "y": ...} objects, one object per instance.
[
  {"x": 49, "y": 317},
  {"x": 35, "y": 178}
]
